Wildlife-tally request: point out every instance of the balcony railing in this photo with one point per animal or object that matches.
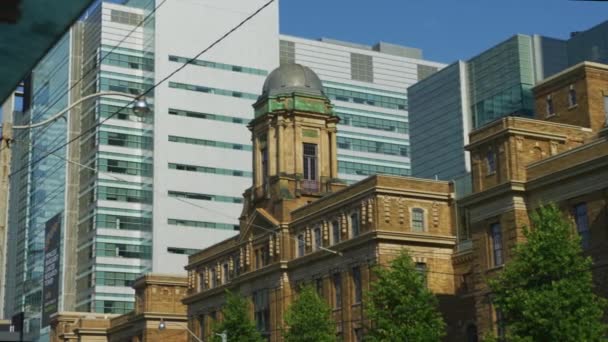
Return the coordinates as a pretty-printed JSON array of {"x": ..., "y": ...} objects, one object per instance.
[{"x": 310, "y": 186}]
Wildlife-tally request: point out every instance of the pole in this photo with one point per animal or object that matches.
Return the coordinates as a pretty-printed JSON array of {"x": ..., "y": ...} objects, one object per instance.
[{"x": 5, "y": 170}]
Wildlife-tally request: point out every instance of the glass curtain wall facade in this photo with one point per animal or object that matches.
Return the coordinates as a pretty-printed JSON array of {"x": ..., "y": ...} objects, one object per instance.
[
  {"x": 115, "y": 197},
  {"x": 37, "y": 183},
  {"x": 367, "y": 86},
  {"x": 501, "y": 79}
]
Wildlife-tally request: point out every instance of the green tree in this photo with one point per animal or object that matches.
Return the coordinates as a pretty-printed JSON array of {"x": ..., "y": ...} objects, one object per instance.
[
  {"x": 308, "y": 319},
  {"x": 546, "y": 292},
  {"x": 236, "y": 323},
  {"x": 400, "y": 306}
]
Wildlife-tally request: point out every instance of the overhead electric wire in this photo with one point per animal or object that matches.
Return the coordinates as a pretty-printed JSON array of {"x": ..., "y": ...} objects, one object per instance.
[{"x": 181, "y": 67}]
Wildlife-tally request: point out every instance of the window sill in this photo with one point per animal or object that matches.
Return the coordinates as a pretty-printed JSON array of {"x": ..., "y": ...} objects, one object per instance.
[
  {"x": 495, "y": 268},
  {"x": 547, "y": 116},
  {"x": 493, "y": 173},
  {"x": 573, "y": 106}
]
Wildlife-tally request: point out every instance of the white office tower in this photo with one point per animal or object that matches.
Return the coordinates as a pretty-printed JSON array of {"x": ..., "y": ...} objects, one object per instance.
[
  {"x": 368, "y": 87},
  {"x": 182, "y": 171},
  {"x": 202, "y": 147}
]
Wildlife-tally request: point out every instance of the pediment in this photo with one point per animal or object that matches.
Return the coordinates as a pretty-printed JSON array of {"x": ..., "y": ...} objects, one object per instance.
[{"x": 260, "y": 222}]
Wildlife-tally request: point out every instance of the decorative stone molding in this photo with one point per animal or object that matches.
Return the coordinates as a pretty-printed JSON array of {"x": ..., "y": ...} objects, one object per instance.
[
  {"x": 370, "y": 210},
  {"x": 343, "y": 223},
  {"x": 554, "y": 145},
  {"x": 241, "y": 258},
  {"x": 308, "y": 237},
  {"x": 401, "y": 209},
  {"x": 278, "y": 244},
  {"x": 419, "y": 259},
  {"x": 386, "y": 207},
  {"x": 519, "y": 142},
  {"x": 325, "y": 226},
  {"x": 271, "y": 245},
  {"x": 435, "y": 214}
]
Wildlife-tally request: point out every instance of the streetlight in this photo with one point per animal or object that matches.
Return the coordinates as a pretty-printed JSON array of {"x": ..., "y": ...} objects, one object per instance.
[
  {"x": 162, "y": 326},
  {"x": 140, "y": 107}
]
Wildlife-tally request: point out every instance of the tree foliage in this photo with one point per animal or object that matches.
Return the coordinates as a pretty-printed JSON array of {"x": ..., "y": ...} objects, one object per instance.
[
  {"x": 401, "y": 307},
  {"x": 308, "y": 319},
  {"x": 546, "y": 292},
  {"x": 236, "y": 323}
]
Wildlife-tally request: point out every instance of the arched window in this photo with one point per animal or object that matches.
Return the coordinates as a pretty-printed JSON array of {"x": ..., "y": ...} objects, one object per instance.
[{"x": 417, "y": 219}]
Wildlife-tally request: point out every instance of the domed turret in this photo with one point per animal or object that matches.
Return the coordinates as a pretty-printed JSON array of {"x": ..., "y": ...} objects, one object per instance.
[{"x": 290, "y": 78}]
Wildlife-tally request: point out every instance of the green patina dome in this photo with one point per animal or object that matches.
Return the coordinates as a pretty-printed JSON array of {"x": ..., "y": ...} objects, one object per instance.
[
  {"x": 290, "y": 78},
  {"x": 292, "y": 87}
]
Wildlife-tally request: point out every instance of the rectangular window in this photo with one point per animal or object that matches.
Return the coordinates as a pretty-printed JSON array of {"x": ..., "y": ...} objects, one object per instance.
[
  {"x": 500, "y": 325},
  {"x": 225, "y": 274},
  {"x": 418, "y": 220},
  {"x": 261, "y": 310},
  {"x": 337, "y": 280},
  {"x": 310, "y": 168},
  {"x": 572, "y": 96},
  {"x": 550, "y": 109},
  {"x": 301, "y": 245},
  {"x": 335, "y": 228},
  {"x": 358, "y": 335},
  {"x": 606, "y": 110},
  {"x": 213, "y": 276},
  {"x": 201, "y": 326},
  {"x": 318, "y": 243},
  {"x": 491, "y": 162},
  {"x": 582, "y": 224},
  {"x": 319, "y": 286},
  {"x": 354, "y": 221},
  {"x": 357, "y": 289},
  {"x": 265, "y": 167},
  {"x": 496, "y": 235},
  {"x": 421, "y": 269}
]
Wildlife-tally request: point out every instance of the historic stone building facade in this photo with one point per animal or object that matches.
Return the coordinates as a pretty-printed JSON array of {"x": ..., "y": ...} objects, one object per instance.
[
  {"x": 300, "y": 225},
  {"x": 158, "y": 298},
  {"x": 519, "y": 164}
]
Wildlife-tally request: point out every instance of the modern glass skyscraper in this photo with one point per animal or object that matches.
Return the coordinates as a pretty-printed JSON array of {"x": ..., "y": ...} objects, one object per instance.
[
  {"x": 445, "y": 107},
  {"x": 368, "y": 87}
]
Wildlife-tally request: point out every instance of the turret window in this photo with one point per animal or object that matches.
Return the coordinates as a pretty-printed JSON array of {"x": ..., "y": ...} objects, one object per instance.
[
  {"x": 491, "y": 161},
  {"x": 572, "y": 96},
  {"x": 310, "y": 167},
  {"x": 265, "y": 166}
]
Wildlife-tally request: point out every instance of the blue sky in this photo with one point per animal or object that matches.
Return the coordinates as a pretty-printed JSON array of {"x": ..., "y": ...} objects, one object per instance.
[{"x": 446, "y": 30}]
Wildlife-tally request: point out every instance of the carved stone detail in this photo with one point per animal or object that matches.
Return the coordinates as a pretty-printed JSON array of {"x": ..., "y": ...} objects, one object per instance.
[
  {"x": 370, "y": 210},
  {"x": 435, "y": 214},
  {"x": 401, "y": 209}
]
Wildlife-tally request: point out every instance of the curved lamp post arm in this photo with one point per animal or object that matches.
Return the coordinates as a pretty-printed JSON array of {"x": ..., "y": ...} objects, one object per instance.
[{"x": 58, "y": 115}]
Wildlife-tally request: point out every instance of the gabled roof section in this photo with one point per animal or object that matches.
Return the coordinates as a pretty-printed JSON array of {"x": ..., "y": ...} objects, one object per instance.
[{"x": 260, "y": 220}]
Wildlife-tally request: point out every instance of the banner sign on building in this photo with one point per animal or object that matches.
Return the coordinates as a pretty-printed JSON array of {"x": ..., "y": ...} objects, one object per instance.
[{"x": 50, "y": 287}]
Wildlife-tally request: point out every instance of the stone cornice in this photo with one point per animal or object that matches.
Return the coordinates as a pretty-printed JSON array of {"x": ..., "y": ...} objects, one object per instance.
[{"x": 495, "y": 191}]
